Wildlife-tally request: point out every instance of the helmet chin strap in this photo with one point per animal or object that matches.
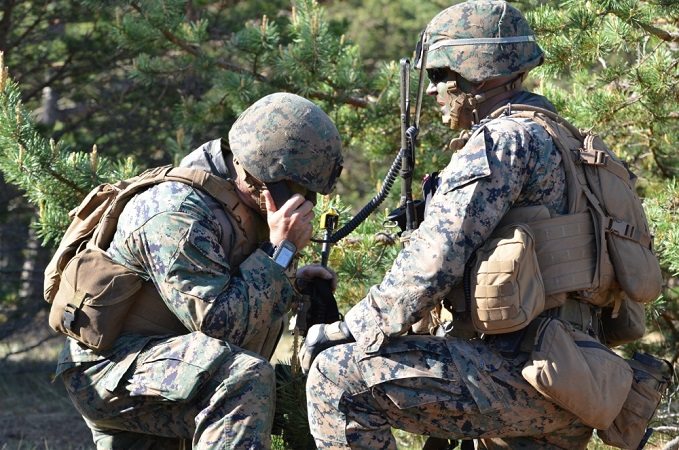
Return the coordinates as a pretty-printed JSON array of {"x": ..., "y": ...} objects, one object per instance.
[
  {"x": 462, "y": 108},
  {"x": 254, "y": 187},
  {"x": 494, "y": 93}
]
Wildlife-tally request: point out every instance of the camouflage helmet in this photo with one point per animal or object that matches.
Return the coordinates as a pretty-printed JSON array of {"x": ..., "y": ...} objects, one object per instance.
[
  {"x": 286, "y": 137},
  {"x": 482, "y": 39}
]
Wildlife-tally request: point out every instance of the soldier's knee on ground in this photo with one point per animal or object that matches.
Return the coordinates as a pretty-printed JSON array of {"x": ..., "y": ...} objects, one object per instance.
[{"x": 246, "y": 377}]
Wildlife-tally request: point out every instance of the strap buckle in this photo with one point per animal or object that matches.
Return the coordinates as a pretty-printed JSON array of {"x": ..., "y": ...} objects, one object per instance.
[
  {"x": 69, "y": 316},
  {"x": 71, "y": 309},
  {"x": 620, "y": 228},
  {"x": 594, "y": 157}
]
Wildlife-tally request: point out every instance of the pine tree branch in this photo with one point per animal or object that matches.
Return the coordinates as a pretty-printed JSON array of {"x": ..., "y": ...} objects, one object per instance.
[
  {"x": 196, "y": 52},
  {"x": 649, "y": 28},
  {"x": 28, "y": 30},
  {"x": 56, "y": 75},
  {"x": 659, "y": 32},
  {"x": 51, "y": 171},
  {"x": 29, "y": 348}
]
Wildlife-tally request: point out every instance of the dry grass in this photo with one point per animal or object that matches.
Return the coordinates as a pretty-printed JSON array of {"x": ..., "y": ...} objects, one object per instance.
[{"x": 36, "y": 414}]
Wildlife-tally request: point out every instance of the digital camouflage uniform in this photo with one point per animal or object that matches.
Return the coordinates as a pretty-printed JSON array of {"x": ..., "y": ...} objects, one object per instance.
[
  {"x": 220, "y": 298},
  {"x": 202, "y": 385},
  {"x": 446, "y": 386}
]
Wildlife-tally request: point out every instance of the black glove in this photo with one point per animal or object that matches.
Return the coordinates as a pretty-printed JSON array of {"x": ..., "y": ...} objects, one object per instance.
[
  {"x": 321, "y": 337},
  {"x": 323, "y": 306}
]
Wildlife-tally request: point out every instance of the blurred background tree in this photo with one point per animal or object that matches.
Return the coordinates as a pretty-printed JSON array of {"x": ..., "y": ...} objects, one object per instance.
[{"x": 96, "y": 92}]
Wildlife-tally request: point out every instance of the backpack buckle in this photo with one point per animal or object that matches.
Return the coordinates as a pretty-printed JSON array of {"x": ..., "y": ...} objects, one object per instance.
[
  {"x": 69, "y": 316},
  {"x": 620, "y": 228},
  {"x": 594, "y": 157},
  {"x": 70, "y": 309}
]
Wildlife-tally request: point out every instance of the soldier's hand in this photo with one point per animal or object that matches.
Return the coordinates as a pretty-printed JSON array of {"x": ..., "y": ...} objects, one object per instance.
[
  {"x": 321, "y": 337},
  {"x": 312, "y": 271},
  {"x": 293, "y": 221}
]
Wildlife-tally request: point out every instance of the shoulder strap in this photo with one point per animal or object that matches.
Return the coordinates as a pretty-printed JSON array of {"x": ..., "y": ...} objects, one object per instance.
[
  {"x": 220, "y": 189},
  {"x": 511, "y": 109},
  {"x": 586, "y": 154},
  {"x": 568, "y": 140}
]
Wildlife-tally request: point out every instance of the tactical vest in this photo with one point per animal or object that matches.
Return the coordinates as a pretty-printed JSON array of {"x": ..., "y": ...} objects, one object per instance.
[
  {"x": 600, "y": 253},
  {"x": 93, "y": 298}
]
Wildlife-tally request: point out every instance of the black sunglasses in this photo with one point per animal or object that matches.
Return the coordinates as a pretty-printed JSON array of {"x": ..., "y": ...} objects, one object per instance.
[{"x": 438, "y": 75}]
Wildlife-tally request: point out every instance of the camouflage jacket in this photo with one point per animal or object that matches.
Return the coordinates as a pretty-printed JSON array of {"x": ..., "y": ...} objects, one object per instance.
[
  {"x": 506, "y": 162},
  {"x": 173, "y": 236}
]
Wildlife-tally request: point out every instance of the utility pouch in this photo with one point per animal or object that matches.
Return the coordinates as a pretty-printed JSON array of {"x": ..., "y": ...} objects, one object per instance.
[
  {"x": 507, "y": 288},
  {"x": 93, "y": 297},
  {"x": 578, "y": 373},
  {"x": 652, "y": 376},
  {"x": 624, "y": 322}
]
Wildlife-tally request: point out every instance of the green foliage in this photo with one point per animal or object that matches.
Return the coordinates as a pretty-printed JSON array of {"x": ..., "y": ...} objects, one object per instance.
[
  {"x": 54, "y": 178},
  {"x": 663, "y": 212},
  {"x": 621, "y": 57},
  {"x": 148, "y": 81},
  {"x": 387, "y": 30}
]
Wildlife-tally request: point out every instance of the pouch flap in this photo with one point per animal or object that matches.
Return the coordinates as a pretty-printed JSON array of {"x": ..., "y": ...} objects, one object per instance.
[
  {"x": 507, "y": 284},
  {"x": 98, "y": 279},
  {"x": 578, "y": 373}
]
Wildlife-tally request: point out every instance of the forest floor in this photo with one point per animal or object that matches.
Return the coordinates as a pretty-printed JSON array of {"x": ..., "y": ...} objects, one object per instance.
[{"x": 35, "y": 411}]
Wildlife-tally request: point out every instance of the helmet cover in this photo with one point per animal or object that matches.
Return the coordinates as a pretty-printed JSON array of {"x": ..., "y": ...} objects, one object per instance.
[
  {"x": 481, "y": 40},
  {"x": 283, "y": 136}
]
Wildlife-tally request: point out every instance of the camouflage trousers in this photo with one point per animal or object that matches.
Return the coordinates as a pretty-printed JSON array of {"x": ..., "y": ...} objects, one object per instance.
[
  {"x": 189, "y": 387},
  {"x": 444, "y": 387}
]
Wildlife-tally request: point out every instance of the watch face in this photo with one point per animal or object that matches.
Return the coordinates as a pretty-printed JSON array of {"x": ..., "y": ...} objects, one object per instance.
[{"x": 284, "y": 256}]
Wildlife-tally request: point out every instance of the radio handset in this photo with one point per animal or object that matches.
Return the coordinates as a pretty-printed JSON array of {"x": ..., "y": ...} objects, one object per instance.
[{"x": 280, "y": 191}]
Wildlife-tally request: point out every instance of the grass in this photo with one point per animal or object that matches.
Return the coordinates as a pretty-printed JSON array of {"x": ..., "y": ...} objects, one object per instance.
[{"x": 36, "y": 414}]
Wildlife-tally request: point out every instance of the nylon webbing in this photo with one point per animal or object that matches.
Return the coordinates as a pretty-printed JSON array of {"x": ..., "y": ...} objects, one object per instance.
[
  {"x": 489, "y": 291},
  {"x": 220, "y": 189}
]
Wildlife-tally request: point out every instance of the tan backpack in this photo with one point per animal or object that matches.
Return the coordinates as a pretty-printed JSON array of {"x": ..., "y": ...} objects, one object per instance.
[
  {"x": 601, "y": 250},
  {"x": 91, "y": 294}
]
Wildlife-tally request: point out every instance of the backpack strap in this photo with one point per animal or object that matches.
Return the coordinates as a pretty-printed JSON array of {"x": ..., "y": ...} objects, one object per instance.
[
  {"x": 587, "y": 154},
  {"x": 580, "y": 200},
  {"x": 220, "y": 189}
]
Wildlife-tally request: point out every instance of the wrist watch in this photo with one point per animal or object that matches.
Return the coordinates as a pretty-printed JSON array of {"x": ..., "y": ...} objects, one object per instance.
[{"x": 284, "y": 253}]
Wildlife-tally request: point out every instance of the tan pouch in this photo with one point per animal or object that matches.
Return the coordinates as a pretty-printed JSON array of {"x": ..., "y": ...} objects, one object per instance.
[
  {"x": 623, "y": 322},
  {"x": 507, "y": 288},
  {"x": 94, "y": 296},
  {"x": 578, "y": 373},
  {"x": 651, "y": 378}
]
